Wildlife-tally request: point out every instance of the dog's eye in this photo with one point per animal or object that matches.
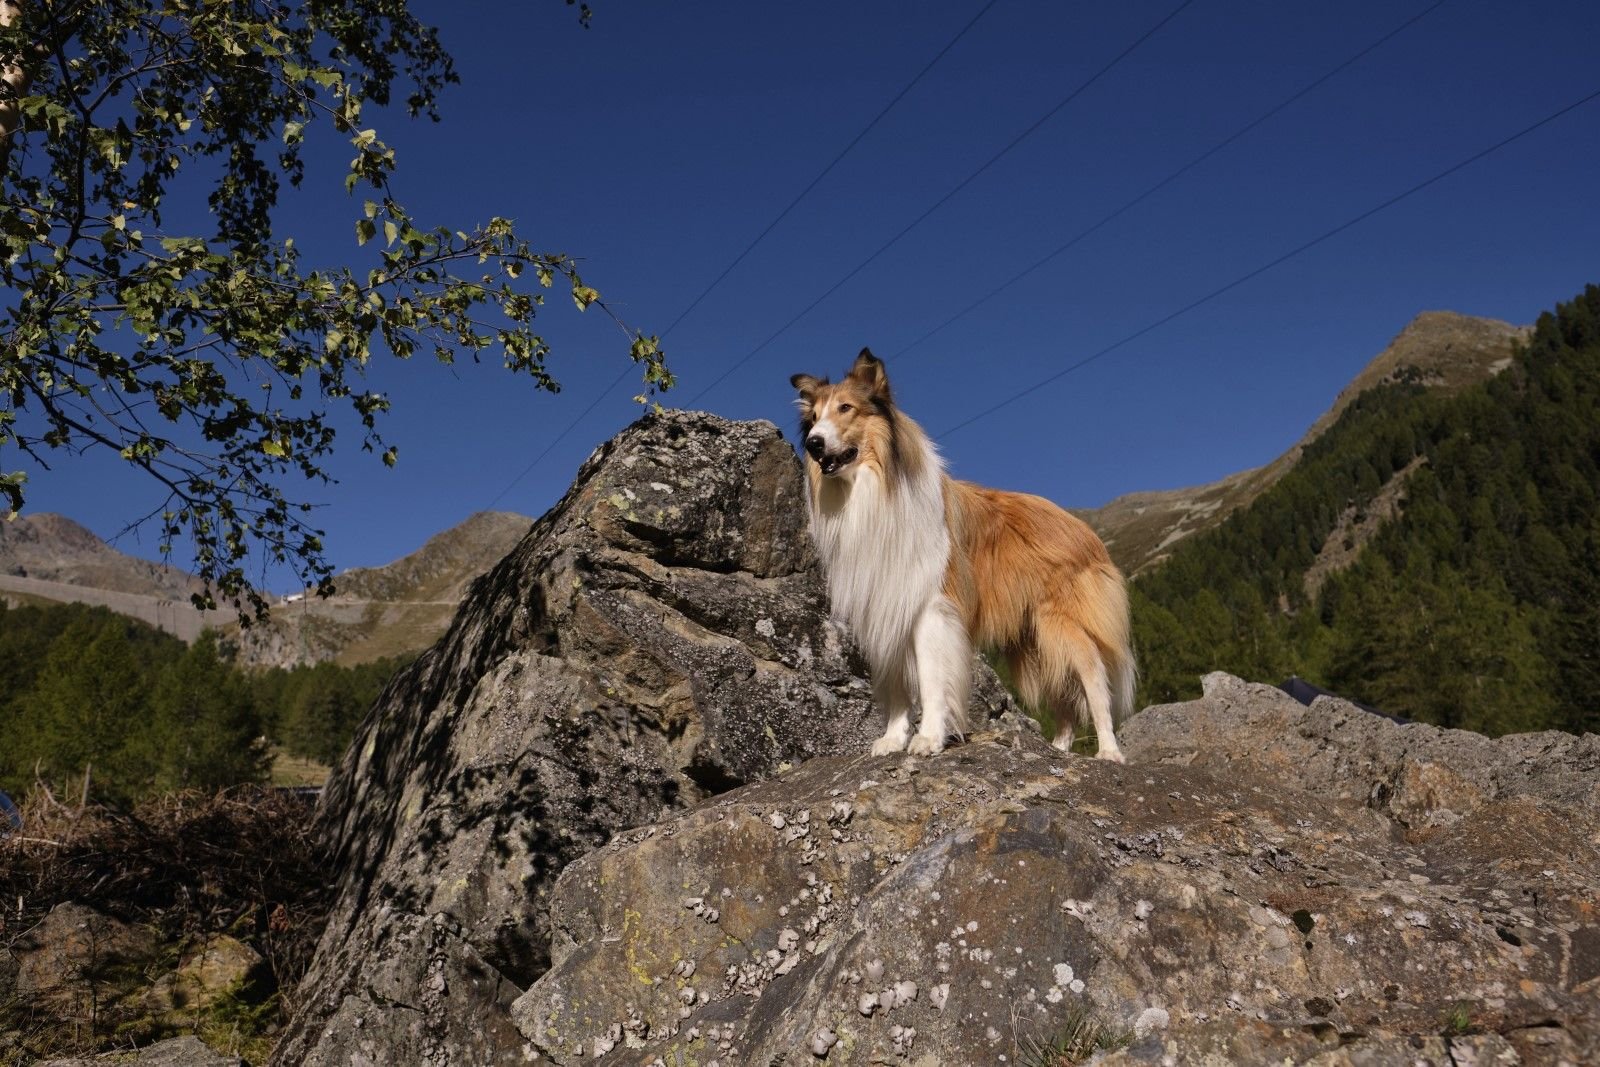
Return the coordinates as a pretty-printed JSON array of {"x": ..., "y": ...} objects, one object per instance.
[{"x": 846, "y": 407}]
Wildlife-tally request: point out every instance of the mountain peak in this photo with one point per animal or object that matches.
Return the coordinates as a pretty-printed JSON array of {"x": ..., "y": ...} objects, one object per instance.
[
  {"x": 53, "y": 548},
  {"x": 1438, "y": 349}
]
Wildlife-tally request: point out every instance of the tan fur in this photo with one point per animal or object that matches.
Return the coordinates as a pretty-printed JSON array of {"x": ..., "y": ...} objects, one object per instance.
[
  {"x": 1028, "y": 579},
  {"x": 1034, "y": 582}
]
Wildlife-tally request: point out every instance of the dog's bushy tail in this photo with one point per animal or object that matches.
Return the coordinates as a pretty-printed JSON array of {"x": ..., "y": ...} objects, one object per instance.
[
  {"x": 1124, "y": 683},
  {"x": 1107, "y": 620}
]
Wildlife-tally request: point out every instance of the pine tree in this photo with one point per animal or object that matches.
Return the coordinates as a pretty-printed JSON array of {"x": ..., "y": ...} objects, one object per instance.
[{"x": 204, "y": 730}]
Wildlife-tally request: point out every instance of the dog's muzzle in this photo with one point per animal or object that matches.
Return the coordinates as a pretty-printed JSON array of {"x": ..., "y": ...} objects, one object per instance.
[{"x": 817, "y": 449}]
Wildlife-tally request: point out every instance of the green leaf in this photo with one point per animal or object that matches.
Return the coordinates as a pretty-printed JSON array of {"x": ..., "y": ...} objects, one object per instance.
[{"x": 390, "y": 232}]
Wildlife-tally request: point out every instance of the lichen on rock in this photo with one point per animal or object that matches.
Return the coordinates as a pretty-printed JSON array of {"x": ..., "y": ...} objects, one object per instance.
[{"x": 659, "y": 637}]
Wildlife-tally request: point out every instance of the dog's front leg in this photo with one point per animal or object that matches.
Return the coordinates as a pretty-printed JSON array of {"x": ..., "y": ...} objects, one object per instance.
[
  {"x": 944, "y": 675},
  {"x": 893, "y": 694}
]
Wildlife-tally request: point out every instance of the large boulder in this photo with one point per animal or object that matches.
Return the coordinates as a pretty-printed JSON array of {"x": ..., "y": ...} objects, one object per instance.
[
  {"x": 1262, "y": 883},
  {"x": 660, "y": 636}
]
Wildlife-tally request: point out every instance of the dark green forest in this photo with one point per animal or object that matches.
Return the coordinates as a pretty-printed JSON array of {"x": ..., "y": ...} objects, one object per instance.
[
  {"x": 143, "y": 713},
  {"x": 1477, "y": 607}
]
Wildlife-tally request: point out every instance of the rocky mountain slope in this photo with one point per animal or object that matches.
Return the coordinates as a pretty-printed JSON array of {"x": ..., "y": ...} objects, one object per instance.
[
  {"x": 1440, "y": 349},
  {"x": 623, "y": 813},
  {"x": 400, "y": 607},
  {"x": 50, "y": 558},
  {"x": 378, "y": 611}
]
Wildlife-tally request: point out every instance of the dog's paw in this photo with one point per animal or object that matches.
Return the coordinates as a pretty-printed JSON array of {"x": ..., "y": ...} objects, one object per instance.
[
  {"x": 887, "y": 745},
  {"x": 1113, "y": 755},
  {"x": 922, "y": 745}
]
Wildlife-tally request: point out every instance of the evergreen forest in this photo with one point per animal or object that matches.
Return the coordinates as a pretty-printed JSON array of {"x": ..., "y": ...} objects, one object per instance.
[
  {"x": 1476, "y": 606},
  {"x": 89, "y": 693}
]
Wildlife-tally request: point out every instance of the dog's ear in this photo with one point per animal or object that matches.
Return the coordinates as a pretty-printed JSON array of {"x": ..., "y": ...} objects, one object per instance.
[
  {"x": 806, "y": 385},
  {"x": 869, "y": 371}
]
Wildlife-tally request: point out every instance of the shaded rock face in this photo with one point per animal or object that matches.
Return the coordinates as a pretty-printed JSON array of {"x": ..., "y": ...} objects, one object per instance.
[
  {"x": 1262, "y": 883},
  {"x": 660, "y": 636}
]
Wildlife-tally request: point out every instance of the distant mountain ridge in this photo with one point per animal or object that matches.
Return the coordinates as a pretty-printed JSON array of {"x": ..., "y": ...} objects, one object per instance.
[
  {"x": 53, "y": 548},
  {"x": 378, "y": 611},
  {"x": 391, "y": 610},
  {"x": 1442, "y": 350}
]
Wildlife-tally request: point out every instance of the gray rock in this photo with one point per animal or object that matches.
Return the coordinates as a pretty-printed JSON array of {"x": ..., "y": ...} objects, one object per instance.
[
  {"x": 1234, "y": 895},
  {"x": 660, "y": 636},
  {"x": 81, "y": 965},
  {"x": 185, "y": 1051},
  {"x": 1418, "y": 775}
]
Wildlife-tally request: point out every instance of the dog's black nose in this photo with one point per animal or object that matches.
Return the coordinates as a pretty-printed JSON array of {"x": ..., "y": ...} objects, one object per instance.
[{"x": 815, "y": 446}]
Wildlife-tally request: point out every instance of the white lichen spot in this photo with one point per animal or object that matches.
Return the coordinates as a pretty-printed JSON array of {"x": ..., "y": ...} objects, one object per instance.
[
  {"x": 1150, "y": 1020},
  {"x": 873, "y": 971},
  {"x": 606, "y": 1041},
  {"x": 822, "y": 1041},
  {"x": 1063, "y": 973},
  {"x": 1142, "y": 910},
  {"x": 939, "y": 995},
  {"x": 905, "y": 991},
  {"x": 867, "y": 1003}
]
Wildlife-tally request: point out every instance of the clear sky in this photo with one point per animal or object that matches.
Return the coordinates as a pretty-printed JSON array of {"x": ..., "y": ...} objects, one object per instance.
[{"x": 658, "y": 143}]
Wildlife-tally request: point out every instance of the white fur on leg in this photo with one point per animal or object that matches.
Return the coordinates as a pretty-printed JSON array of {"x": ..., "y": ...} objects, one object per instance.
[
  {"x": 894, "y": 696},
  {"x": 1065, "y": 732},
  {"x": 944, "y": 665},
  {"x": 1097, "y": 693},
  {"x": 894, "y": 738}
]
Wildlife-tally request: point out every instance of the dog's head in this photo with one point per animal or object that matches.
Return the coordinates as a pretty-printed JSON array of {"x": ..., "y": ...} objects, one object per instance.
[{"x": 840, "y": 424}]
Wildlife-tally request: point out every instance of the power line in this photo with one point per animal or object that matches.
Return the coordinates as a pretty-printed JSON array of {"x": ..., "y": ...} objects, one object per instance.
[
  {"x": 1018, "y": 139},
  {"x": 627, "y": 370},
  {"x": 1292, "y": 253},
  {"x": 1170, "y": 178}
]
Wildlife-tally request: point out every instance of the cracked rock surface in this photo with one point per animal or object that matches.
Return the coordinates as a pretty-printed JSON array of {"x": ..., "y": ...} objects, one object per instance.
[
  {"x": 659, "y": 637},
  {"x": 622, "y": 813},
  {"x": 1246, "y": 890}
]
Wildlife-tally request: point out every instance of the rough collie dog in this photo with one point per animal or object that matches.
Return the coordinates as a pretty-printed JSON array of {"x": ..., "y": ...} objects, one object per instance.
[{"x": 923, "y": 567}]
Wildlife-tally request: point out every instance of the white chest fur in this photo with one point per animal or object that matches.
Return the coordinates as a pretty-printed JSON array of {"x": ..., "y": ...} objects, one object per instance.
[{"x": 885, "y": 553}]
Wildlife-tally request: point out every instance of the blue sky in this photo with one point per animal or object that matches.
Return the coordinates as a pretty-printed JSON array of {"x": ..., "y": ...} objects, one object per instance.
[{"x": 656, "y": 144}]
